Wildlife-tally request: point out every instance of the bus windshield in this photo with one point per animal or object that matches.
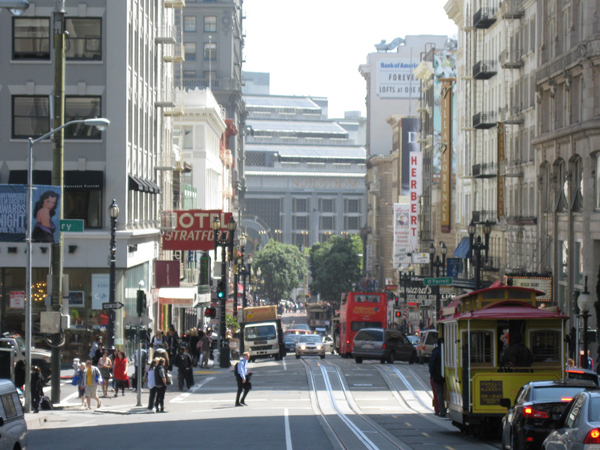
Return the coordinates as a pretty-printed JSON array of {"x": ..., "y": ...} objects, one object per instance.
[{"x": 260, "y": 332}]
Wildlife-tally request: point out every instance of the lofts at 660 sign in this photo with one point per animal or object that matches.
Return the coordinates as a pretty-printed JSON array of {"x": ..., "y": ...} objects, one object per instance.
[{"x": 193, "y": 230}]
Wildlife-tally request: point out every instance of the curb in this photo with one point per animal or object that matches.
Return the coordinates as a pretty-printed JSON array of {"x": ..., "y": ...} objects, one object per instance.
[{"x": 35, "y": 420}]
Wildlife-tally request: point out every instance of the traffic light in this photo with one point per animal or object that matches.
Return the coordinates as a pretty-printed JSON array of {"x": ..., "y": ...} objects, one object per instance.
[
  {"x": 210, "y": 312},
  {"x": 141, "y": 302},
  {"x": 221, "y": 290},
  {"x": 397, "y": 313}
]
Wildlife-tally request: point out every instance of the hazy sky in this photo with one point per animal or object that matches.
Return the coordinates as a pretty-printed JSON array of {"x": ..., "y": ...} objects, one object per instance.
[{"x": 314, "y": 47}]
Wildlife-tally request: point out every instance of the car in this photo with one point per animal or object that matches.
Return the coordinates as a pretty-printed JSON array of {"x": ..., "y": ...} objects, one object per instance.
[
  {"x": 295, "y": 331},
  {"x": 414, "y": 340},
  {"x": 39, "y": 357},
  {"x": 582, "y": 374},
  {"x": 289, "y": 340},
  {"x": 328, "y": 342},
  {"x": 302, "y": 326},
  {"x": 537, "y": 406},
  {"x": 579, "y": 425},
  {"x": 13, "y": 428},
  {"x": 322, "y": 331},
  {"x": 427, "y": 343},
  {"x": 310, "y": 345},
  {"x": 384, "y": 345}
]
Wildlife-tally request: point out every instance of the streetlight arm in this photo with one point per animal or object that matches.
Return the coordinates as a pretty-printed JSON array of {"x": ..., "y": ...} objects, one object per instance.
[{"x": 99, "y": 123}]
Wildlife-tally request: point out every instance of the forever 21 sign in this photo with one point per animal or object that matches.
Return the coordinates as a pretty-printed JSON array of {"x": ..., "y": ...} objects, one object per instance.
[{"x": 193, "y": 230}]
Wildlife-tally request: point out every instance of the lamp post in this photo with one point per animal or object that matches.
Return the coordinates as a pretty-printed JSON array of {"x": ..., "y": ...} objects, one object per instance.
[
  {"x": 101, "y": 124},
  {"x": 113, "y": 210},
  {"x": 277, "y": 234},
  {"x": 405, "y": 277},
  {"x": 477, "y": 246},
  {"x": 585, "y": 303},
  {"x": 437, "y": 264},
  {"x": 239, "y": 262},
  {"x": 225, "y": 243}
]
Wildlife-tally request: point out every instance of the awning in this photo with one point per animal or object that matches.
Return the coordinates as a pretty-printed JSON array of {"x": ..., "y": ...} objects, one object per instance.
[
  {"x": 83, "y": 179},
  {"x": 154, "y": 186},
  {"x": 43, "y": 177},
  {"x": 462, "y": 249},
  {"x": 142, "y": 185},
  {"x": 181, "y": 297}
]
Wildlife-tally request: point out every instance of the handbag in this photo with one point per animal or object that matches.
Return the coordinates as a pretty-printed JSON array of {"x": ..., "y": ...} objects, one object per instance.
[
  {"x": 145, "y": 378},
  {"x": 169, "y": 379},
  {"x": 75, "y": 380}
]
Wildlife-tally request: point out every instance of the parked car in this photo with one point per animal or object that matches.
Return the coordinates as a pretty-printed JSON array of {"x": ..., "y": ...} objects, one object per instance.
[
  {"x": 310, "y": 345},
  {"x": 426, "y": 345},
  {"x": 13, "y": 428},
  {"x": 538, "y": 405},
  {"x": 384, "y": 345},
  {"x": 582, "y": 374},
  {"x": 414, "y": 340},
  {"x": 579, "y": 425},
  {"x": 289, "y": 340}
]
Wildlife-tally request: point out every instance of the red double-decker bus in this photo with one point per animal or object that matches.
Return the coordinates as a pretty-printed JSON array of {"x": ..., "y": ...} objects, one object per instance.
[{"x": 360, "y": 310}]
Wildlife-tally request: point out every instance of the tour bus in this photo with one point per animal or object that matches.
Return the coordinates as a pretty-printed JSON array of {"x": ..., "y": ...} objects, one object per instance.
[{"x": 360, "y": 310}]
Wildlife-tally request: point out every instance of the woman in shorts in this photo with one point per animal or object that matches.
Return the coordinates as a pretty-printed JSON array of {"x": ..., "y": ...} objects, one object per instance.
[{"x": 81, "y": 384}]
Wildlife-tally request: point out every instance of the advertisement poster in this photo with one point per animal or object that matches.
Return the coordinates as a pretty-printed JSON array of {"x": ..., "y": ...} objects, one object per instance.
[
  {"x": 402, "y": 245},
  {"x": 444, "y": 66},
  {"x": 17, "y": 299},
  {"x": 395, "y": 78},
  {"x": 193, "y": 230},
  {"x": 13, "y": 213},
  {"x": 416, "y": 190},
  {"x": 100, "y": 289}
]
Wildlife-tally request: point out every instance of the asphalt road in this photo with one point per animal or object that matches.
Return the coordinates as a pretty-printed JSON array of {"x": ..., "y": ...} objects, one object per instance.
[{"x": 295, "y": 404}]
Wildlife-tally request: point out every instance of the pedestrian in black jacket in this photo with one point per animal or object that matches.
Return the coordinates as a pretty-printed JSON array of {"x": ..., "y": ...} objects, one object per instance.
[
  {"x": 185, "y": 365},
  {"x": 437, "y": 380},
  {"x": 37, "y": 388}
]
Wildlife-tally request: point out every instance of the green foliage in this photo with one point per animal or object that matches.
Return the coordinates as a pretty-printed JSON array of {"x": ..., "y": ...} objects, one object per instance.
[
  {"x": 282, "y": 267},
  {"x": 335, "y": 265},
  {"x": 231, "y": 323}
]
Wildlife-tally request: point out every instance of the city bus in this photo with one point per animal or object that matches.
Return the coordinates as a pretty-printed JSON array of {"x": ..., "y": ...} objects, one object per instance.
[{"x": 360, "y": 310}]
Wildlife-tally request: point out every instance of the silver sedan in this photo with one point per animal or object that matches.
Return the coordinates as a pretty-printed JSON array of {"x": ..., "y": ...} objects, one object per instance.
[{"x": 579, "y": 426}]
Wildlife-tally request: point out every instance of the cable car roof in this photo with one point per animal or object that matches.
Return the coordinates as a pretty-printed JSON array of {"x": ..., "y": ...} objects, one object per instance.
[{"x": 507, "y": 309}]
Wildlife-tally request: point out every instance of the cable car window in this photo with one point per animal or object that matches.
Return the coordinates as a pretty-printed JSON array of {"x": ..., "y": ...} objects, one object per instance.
[
  {"x": 545, "y": 345},
  {"x": 519, "y": 295},
  {"x": 481, "y": 346},
  {"x": 498, "y": 295}
]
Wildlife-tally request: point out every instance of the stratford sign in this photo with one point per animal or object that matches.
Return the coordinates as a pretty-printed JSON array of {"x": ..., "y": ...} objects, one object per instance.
[{"x": 193, "y": 230}]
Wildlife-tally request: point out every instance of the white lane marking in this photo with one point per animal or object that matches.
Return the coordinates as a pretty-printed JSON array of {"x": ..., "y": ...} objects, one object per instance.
[
  {"x": 253, "y": 400},
  {"x": 69, "y": 397},
  {"x": 196, "y": 387},
  {"x": 284, "y": 364},
  {"x": 288, "y": 435}
]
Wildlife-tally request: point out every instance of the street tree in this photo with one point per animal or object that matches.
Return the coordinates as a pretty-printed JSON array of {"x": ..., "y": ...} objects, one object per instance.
[
  {"x": 335, "y": 266},
  {"x": 282, "y": 267}
]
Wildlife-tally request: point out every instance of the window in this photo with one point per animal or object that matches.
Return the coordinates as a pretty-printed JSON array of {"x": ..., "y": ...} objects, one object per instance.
[
  {"x": 300, "y": 222},
  {"x": 300, "y": 205},
  {"x": 190, "y": 51},
  {"x": 351, "y": 223},
  {"x": 84, "y": 42},
  {"x": 31, "y": 116},
  {"x": 188, "y": 137},
  {"x": 562, "y": 186},
  {"x": 210, "y": 74},
  {"x": 327, "y": 223},
  {"x": 327, "y": 205},
  {"x": 84, "y": 204},
  {"x": 31, "y": 38},
  {"x": 189, "y": 24},
  {"x": 577, "y": 187},
  {"x": 481, "y": 346},
  {"x": 545, "y": 345},
  {"x": 189, "y": 74},
  {"x": 8, "y": 404},
  {"x": 77, "y": 108},
  {"x": 210, "y": 24},
  {"x": 598, "y": 181},
  {"x": 352, "y": 205},
  {"x": 210, "y": 51}
]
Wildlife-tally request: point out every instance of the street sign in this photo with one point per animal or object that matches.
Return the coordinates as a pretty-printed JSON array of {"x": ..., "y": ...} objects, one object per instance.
[
  {"x": 405, "y": 310},
  {"x": 437, "y": 281},
  {"x": 70, "y": 225},
  {"x": 420, "y": 258},
  {"x": 115, "y": 305}
]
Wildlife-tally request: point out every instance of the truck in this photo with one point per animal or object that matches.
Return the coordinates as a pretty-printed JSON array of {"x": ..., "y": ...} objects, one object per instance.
[
  {"x": 39, "y": 357},
  {"x": 262, "y": 332}
]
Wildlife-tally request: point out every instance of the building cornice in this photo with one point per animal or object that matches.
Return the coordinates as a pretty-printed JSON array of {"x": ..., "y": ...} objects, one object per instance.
[{"x": 578, "y": 130}]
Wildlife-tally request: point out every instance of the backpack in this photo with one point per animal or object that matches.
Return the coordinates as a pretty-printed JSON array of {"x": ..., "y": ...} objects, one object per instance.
[
  {"x": 46, "y": 404},
  {"x": 235, "y": 370}
]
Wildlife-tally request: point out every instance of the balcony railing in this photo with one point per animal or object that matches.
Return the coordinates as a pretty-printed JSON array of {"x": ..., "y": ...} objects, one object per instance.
[
  {"x": 511, "y": 59},
  {"x": 484, "y": 216},
  {"x": 175, "y": 53},
  {"x": 177, "y": 4},
  {"x": 216, "y": 84},
  {"x": 484, "y": 70},
  {"x": 512, "y": 9},
  {"x": 484, "y": 18},
  {"x": 166, "y": 35},
  {"x": 485, "y": 170},
  {"x": 521, "y": 220},
  {"x": 484, "y": 120}
]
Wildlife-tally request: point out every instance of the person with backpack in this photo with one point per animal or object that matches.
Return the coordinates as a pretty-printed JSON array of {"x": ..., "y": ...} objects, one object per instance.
[
  {"x": 184, "y": 364},
  {"x": 242, "y": 376}
]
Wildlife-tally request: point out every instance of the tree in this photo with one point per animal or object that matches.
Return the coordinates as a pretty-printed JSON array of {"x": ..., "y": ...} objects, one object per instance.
[
  {"x": 282, "y": 267},
  {"x": 335, "y": 266}
]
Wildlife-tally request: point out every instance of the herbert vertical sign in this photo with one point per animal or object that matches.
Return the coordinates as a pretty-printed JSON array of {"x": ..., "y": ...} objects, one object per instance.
[{"x": 446, "y": 152}]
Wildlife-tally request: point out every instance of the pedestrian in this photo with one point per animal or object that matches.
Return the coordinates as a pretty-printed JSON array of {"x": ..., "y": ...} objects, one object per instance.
[
  {"x": 81, "y": 384},
  {"x": 105, "y": 364},
  {"x": 120, "y": 373},
  {"x": 152, "y": 384},
  {"x": 516, "y": 354},
  {"x": 204, "y": 343},
  {"x": 173, "y": 345},
  {"x": 242, "y": 376},
  {"x": 160, "y": 379},
  {"x": 92, "y": 380},
  {"x": 590, "y": 361},
  {"x": 194, "y": 351},
  {"x": 137, "y": 361},
  {"x": 184, "y": 364},
  {"x": 437, "y": 380},
  {"x": 158, "y": 341},
  {"x": 571, "y": 340},
  {"x": 37, "y": 388},
  {"x": 95, "y": 346},
  {"x": 570, "y": 363}
]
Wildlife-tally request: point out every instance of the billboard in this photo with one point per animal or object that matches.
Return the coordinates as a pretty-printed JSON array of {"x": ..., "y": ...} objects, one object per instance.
[
  {"x": 13, "y": 213},
  {"x": 193, "y": 230},
  {"x": 410, "y": 135},
  {"x": 416, "y": 190},
  {"x": 401, "y": 234},
  {"x": 395, "y": 78},
  {"x": 444, "y": 66}
]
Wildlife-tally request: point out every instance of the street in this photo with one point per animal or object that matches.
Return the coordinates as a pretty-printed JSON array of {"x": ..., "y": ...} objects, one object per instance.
[{"x": 303, "y": 404}]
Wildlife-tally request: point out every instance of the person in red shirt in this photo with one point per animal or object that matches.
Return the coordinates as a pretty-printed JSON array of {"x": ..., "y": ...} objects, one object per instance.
[{"x": 120, "y": 372}]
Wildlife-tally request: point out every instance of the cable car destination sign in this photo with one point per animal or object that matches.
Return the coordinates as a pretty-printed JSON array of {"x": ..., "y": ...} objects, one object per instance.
[{"x": 193, "y": 230}]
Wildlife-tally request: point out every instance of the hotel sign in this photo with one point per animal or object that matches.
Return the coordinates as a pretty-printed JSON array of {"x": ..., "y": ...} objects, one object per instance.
[
  {"x": 446, "y": 153},
  {"x": 501, "y": 159},
  {"x": 193, "y": 230}
]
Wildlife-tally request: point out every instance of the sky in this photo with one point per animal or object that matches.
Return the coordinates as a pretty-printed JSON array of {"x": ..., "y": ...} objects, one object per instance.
[{"x": 314, "y": 47}]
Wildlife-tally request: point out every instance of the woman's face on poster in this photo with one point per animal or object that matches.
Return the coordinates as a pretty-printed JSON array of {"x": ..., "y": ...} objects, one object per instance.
[{"x": 50, "y": 202}]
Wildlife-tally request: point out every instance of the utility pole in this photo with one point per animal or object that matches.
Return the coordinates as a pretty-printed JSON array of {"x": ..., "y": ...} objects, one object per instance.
[{"x": 58, "y": 27}]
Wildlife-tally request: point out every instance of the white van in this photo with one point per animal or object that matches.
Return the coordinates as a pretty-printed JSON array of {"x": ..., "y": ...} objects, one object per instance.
[{"x": 13, "y": 428}]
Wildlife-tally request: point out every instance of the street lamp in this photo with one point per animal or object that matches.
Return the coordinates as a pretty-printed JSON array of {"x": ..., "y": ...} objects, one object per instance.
[
  {"x": 437, "y": 264},
  {"x": 101, "y": 124},
  {"x": 277, "y": 234},
  {"x": 585, "y": 303},
  {"x": 16, "y": 7},
  {"x": 238, "y": 261},
  {"x": 225, "y": 243},
  {"x": 113, "y": 211},
  {"x": 405, "y": 277},
  {"x": 477, "y": 246}
]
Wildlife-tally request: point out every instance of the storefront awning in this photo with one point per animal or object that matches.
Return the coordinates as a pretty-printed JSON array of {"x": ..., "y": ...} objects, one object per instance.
[
  {"x": 142, "y": 185},
  {"x": 462, "y": 249},
  {"x": 182, "y": 297},
  {"x": 83, "y": 179}
]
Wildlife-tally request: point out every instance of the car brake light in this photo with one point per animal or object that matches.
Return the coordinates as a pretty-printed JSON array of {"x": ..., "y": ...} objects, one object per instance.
[
  {"x": 565, "y": 399},
  {"x": 531, "y": 413},
  {"x": 575, "y": 371},
  {"x": 529, "y": 439},
  {"x": 593, "y": 437},
  {"x": 383, "y": 346}
]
